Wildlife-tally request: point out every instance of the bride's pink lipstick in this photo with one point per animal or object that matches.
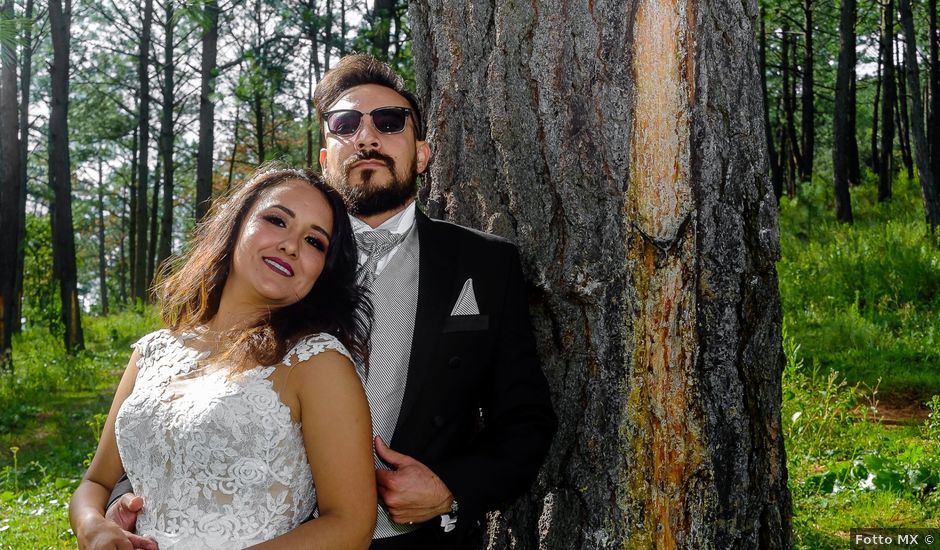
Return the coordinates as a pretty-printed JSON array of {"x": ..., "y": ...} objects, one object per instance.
[{"x": 278, "y": 266}]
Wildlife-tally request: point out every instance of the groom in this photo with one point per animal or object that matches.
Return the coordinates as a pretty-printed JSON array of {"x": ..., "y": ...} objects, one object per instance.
[{"x": 460, "y": 407}]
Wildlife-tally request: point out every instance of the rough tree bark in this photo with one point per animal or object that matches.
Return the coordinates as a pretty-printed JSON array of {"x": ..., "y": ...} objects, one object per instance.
[
  {"x": 886, "y": 162},
  {"x": 60, "y": 172},
  {"x": 210, "y": 48},
  {"x": 9, "y": 191},
  {"x": 141, "y": 280},
  {"x": 928, "y": 189},
  {"x": 807, "y": 97},
  {"x": 621, "y": 145},
  {"x": 841, "y": 127}
]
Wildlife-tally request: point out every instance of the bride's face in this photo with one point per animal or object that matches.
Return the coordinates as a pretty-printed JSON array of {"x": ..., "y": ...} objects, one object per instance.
[{"x": 281, "y": 247}]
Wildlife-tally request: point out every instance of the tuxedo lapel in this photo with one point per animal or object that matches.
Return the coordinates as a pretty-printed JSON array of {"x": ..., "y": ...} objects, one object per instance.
[{"x": 436, "y": 269}]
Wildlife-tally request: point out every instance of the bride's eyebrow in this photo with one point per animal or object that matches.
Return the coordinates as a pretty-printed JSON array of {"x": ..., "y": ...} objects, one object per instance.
[{"x": 313, "y": 226}]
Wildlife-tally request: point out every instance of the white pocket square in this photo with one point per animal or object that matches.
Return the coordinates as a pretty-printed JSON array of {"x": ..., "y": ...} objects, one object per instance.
[{"x": 467, "y": 302}]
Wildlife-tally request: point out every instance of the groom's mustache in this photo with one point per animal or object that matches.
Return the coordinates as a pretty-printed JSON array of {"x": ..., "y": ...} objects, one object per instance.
[{"x": 368, "y": 154}]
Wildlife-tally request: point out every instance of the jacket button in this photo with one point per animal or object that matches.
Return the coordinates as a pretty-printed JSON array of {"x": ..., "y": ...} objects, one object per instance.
[
  {"x": 438, "y": 421},
  {"x": 454, "y": 362}
]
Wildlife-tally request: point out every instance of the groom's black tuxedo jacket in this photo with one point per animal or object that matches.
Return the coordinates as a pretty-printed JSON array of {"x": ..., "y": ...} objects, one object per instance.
[{"x": 476, "y": 407}]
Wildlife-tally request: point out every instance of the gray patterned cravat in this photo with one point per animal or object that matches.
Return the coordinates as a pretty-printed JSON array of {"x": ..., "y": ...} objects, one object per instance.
[{"x": 376, "y": 244}]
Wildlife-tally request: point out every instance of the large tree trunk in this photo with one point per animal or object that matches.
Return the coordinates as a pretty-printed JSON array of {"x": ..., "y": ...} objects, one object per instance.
[
  {"x": 210, "y": 43},
  {"x": 807, "y": 98},
  {"x": 26, "y": 78},
  {"x": 928, "y": 189},
  {"x": 886, "y": 162},
  {"x": 141, "y": 279},
  {"x": 9, "y": 191},
  {"x": 631, "y": 172},
  {"x": 776, "y": 173},
  {"x": 841, "y": 128},
  {"x": 60, "y": 172},
  {"x": 167, "y": 136}
]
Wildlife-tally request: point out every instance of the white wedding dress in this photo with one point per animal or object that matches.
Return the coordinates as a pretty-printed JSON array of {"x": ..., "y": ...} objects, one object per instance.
[{"x": 217, "y": 458}]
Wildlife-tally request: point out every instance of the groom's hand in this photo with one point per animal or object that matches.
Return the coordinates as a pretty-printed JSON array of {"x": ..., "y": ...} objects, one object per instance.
[
  {"x": 412, "y": 493},
  {"x": 124, "y": 513}
]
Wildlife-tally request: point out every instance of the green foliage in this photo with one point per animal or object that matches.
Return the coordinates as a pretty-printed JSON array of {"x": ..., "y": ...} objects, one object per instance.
[
  {"x": 51, "y": 413},
  {"x": 864, "y": 298},
  {"x": 861, "y": 307}
]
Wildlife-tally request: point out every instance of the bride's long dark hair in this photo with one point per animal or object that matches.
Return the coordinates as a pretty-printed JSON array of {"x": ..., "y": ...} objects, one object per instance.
[{"x": 190, "y": 286}]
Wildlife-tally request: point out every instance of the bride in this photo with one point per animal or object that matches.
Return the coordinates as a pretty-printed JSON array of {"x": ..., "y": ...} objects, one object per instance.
[{"x": 246, "y": 415}]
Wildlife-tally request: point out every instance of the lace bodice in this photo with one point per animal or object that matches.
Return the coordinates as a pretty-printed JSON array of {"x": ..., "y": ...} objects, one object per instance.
[{"x": 217, "y": 458}]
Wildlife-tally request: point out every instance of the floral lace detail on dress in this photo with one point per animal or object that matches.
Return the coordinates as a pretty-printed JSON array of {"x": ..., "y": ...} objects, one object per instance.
[{"x": 217, "y": 457}]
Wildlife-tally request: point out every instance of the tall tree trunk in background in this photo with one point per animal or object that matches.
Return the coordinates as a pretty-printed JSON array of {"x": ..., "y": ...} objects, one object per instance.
[
  {"x": 210, "y": 45},
  {"x": 381, "y": 25},
  {"x": 9, "y": 191},
  {"x": 851, "y": 146},
  {"x": 886, "y": 162},
  {"x": 60, "y": 172},
  {"x": 132, "y": 222},
  {"x": 807, "y": 98},
  {"x": 102, "y": 256},
  {"x": 26, "y": 78},
  {"x": 875, "y": 111},
  {"x": 776, "y": 174},
  {"x": 342, "y": 28},
  {"x": 793, "y": 159},
  {"x": 933, "y": 86},
  {"x": 257, "y": 98},
  {"x": 841, "y": 127},
  {"x": 902, "y": 118},
  {"x": 662, "y": 332},
  {"x": 928, "y": 189},
  {"x": 141, "y": 280},
  {"x": 167, "y": 137},
  {"x": 235, "y": 143},
  {"x": 153, "y": 231},
  {"x": 122, "y": 252}
]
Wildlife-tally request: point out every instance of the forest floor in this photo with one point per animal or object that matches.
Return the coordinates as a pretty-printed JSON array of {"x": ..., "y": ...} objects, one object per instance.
[
  {"x": 861, "y": 334},
  {"x": 862, "y": 338}
]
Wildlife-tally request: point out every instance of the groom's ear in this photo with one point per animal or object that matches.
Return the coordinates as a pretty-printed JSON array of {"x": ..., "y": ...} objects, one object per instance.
[
  {"x": 423, "y": 155},
  {"x": 322, "y": 158}
]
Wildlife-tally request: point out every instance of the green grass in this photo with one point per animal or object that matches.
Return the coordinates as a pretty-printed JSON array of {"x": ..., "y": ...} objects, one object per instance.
[
  {"x": 50, "y": 418},
  {"x": 862, "y": 324}
]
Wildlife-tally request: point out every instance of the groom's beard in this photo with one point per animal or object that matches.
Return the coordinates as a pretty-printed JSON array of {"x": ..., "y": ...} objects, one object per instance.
[{"x": 369, "y": 197}]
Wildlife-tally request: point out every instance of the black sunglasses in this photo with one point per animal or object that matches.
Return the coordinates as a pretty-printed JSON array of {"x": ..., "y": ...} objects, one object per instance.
[{"x": 388, "y": 120}]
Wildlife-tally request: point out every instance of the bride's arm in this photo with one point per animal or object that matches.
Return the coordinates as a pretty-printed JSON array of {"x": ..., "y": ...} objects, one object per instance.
[
  {"x": 337, "y": 431},
  {"x": 86, "y": 509}
]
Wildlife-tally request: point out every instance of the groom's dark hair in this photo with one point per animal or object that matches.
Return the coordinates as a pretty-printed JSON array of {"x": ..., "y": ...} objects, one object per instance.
[{"x": 356, "y": 70}]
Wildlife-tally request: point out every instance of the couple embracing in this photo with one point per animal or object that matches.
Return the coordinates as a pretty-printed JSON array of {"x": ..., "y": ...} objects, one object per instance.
[{"x": 327, "y": 378}]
